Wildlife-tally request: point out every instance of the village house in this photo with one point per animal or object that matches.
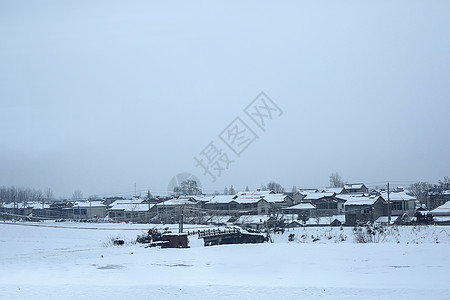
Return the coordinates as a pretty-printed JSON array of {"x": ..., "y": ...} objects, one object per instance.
[
  {"x": 256, "y": 222},
  {"x": 253, "y": 204},
  {"x": 86, "y": 210},
  {"x": 336, "y": 190},
  {"x": 131, "y": 210},
  {"x": 355, "y": 188},
  {"x": 278, "y": 201},
  {"x": 400, "y": 203},
  {"x": 436, "y": 198},
  {"x": 170, "y": 211},
  {"x": 35, "y": 210},
  {"x": 364, "y": 209},
  {"x": 300, "y": 194},
  {"x": 326, "y": 204},
  {"x": 302, "y": 210},
  {"x": 222, "y": 203},
  {"x": 441, "y": 214}
]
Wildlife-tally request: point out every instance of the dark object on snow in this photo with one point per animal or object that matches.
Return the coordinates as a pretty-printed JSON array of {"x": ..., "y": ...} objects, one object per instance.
[
  {"x": 424, "y": 219},
  {"x": 119, "y": 242},
  {"x": 291, "y": 237},
  {"x": 153, "y": 235},
  {"x": 167, "y": 240},
  {"x": 233, "y": 238},
  {"x": 176, "y": 240}
]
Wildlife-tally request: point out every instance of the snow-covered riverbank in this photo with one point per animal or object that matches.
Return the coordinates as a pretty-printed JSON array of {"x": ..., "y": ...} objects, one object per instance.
[{"x": 70, "y": 261}]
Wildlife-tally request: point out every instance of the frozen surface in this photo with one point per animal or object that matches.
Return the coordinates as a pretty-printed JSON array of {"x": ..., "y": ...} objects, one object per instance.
[{"x": 74, "y": 261}]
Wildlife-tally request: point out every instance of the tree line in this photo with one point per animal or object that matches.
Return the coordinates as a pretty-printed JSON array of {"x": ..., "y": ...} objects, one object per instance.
[
  {"x": 421, "y": 189},
  {"x": 10, "y": 194}
]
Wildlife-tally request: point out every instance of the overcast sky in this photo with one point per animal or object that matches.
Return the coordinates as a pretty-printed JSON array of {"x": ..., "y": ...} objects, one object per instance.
[{"x": 97, "y": 96}]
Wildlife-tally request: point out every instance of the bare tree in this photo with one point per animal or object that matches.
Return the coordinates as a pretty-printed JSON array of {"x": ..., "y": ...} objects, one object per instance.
[
  {"x": 275, "y": 187},
  {"x": 48, "y": 194},
  {"x": 444, "y": 184},
  {"x": 225, "y": 191},
  {"x": 93, "y": 197},
  {"x": 420, "y": 190},
  {"x": 336, "y": 180},
  {"x": 294, "y": 189},
  {"x": 77, "y": 195}
]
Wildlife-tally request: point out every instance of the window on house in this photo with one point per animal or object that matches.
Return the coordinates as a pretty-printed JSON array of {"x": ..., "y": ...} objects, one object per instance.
[{"x": 397, "y": 205}]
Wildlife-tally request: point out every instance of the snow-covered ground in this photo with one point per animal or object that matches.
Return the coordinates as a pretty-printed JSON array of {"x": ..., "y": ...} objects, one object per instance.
[{"x": 75, "y": 261}]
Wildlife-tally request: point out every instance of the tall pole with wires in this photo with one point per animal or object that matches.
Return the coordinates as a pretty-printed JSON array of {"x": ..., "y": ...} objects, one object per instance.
[{"x": 389, "y": 204}]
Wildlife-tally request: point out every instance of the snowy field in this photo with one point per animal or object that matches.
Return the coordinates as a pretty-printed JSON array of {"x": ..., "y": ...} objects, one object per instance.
[{"x": 75, "y": 261}]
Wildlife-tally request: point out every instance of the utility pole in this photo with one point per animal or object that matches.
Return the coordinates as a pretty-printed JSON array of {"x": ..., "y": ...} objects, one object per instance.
[
  {"x": 180, "y": 228},
  {"x": 149, "y": 195},
  {"x": 149, "y": 205},
  {"x": 389, "y": 205}
]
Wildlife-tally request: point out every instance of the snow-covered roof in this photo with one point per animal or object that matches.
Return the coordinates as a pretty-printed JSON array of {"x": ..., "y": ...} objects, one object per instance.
[
  {"x": 384, "y": 219},
  {"x": 336, "y": 190},
  {"x": 130, "y": 205},
  {"x": 221, "y": 199},
  {"x": 249, "y": 199},
  {"x": 321, "y": 220},
  {"x": 272, "y": 198},
  {"x": 88, "y": 204},
  {"x": 255, "y": 193},
  {"x": 32, "y": 205},
  {"x": 362, "y": 200},
  {"x": 443, "y": 210},
  {"x": 315, "y": 196},
  {"x": 252, "y": 219},
  {"x": 442, "y": 219},
  {"x": 353, "y": 185},
  {"x": 301, "y": 206},
  {"x": 179, "y": 201},
  {"x": 397, "y": 196},
  {"x": 307, "y": 191}
]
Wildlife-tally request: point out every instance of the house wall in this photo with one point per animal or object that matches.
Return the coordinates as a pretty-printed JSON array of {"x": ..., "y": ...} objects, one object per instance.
[
  {"x": 87, "y": 212},
  {"x": 364, "y": 213},
  {"x": 263, "y": 207},
  {"x": 400, "y": 207}
]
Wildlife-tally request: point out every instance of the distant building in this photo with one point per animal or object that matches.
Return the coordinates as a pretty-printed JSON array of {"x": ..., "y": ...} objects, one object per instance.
[
  {"x": 400, "y": 203},
  {"x": 355, "y": 188},
  {"x": 131, "y": 210},
  {"x": 326, "y": 204},
  {"x": 364, "y": 209},
  {"x": 86, "y": 210}
]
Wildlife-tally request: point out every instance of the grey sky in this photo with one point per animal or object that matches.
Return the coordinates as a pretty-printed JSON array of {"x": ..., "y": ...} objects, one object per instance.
[{"x": 97, "y": 96}]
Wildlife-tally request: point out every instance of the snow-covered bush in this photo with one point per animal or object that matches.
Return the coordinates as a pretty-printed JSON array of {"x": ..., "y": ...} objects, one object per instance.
[
  {"x": 370, "y": 233},
  {"x": 112, "y": 241}
]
